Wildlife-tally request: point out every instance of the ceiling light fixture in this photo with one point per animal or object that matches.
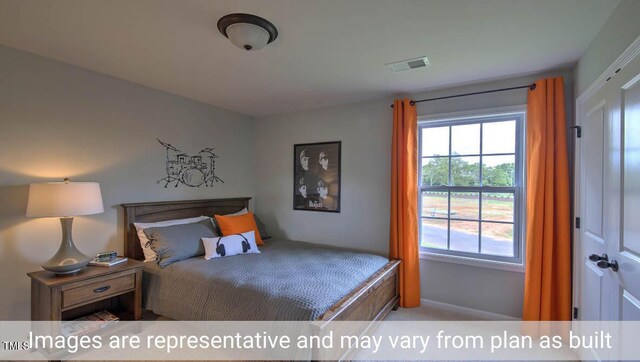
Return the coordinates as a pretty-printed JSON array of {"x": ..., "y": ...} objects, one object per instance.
[{"x": 246, "y": 31}]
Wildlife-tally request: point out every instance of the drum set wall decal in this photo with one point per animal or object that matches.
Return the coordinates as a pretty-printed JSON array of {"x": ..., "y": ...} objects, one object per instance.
[{"x": 192, "y": 171}]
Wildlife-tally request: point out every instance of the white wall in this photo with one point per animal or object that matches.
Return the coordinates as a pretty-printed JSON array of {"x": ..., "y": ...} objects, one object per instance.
[
  {"x": 58, "y": 120},
  {"x": 619, "y": 31},
  {"x": 365, "y": 132}
]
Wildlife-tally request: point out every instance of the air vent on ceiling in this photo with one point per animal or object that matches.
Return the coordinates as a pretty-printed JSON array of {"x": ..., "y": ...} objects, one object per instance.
[{"x": 408, "y": 64}]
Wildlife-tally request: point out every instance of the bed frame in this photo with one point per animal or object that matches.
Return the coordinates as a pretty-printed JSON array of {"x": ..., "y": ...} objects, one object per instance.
[{"x": 370, "y": 301}]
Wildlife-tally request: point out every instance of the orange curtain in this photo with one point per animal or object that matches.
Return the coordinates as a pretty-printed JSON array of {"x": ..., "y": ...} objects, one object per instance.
[
  {"x": 547, "y": 290},
  {"x": 403, "y": 241}
]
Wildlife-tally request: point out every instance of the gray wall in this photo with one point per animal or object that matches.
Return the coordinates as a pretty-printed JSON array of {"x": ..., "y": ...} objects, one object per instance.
[
  {"x": 58, "y": 120},
  {"x": 365, "y": 132},
  {"x": 620, "y": 30},
  {"x": 364, "y": 129}
]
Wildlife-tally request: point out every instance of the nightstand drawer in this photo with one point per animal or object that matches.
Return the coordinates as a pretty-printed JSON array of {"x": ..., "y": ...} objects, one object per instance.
[{"x": 98, "y": 290}]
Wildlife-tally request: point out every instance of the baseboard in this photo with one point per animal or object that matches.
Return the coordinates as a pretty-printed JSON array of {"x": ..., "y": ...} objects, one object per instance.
[{"x": 481, "y": 314}]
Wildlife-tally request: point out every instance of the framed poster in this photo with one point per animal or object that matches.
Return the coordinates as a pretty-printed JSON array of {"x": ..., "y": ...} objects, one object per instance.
[{"x": 316, "y": 176}]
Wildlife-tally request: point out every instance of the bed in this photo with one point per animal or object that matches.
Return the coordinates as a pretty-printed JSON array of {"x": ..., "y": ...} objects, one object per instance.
[{"x": 303, "y": 281}]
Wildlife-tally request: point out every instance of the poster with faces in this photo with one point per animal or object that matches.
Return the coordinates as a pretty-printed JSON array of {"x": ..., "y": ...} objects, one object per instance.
[{"x": 316, "y": 176}]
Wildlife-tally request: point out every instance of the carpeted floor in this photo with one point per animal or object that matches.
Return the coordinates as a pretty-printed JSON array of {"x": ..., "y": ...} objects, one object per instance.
[{"x": 428, "y": 313}]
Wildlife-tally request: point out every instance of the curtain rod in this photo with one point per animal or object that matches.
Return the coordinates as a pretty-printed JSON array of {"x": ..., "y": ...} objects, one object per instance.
[{"x": 531, "y": 86}]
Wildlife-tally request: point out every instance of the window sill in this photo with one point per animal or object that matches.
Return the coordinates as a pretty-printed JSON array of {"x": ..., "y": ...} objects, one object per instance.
[{"x": 492, "y": 264}]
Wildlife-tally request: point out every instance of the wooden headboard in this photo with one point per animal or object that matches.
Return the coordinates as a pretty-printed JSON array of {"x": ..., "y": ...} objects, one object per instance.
[{"x": 168, "y": 210}]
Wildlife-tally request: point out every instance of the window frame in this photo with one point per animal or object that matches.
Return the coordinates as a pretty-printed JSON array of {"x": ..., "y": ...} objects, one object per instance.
[{"x": 515, "y": 263}]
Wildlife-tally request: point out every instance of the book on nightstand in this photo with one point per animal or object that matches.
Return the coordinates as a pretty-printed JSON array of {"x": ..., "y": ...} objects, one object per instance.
[
  {"x": 112, "y": 262},
  {"x": 99, "y": 320}
]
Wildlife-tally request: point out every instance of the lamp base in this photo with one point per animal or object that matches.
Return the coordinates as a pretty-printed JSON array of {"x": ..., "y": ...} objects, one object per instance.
[
  {"x": 68, "y": 259},
  {"x": 65, "y": 269},
  {"x": 58, "y": 272}
]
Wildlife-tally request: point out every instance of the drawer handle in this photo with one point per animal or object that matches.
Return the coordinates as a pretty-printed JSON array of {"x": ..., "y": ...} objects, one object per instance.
[{"x": 102, "y": 289}]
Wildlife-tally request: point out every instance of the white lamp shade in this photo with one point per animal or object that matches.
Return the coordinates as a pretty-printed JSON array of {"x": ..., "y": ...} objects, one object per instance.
[
  {"x": 247, "y": 36},
  {"x": 60, "y": 199}
]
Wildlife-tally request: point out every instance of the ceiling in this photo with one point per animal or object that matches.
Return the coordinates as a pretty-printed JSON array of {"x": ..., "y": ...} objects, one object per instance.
[{"x": 328, "y": 52}]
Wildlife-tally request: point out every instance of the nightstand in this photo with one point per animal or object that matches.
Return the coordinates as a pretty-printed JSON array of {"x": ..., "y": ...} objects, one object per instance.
[{"x": 116, "y": 289}]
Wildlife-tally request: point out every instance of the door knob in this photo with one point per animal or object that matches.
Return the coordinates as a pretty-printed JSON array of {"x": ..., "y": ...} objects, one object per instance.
[
  {"x": 603, "y": 264},
  {"x": 594, "y": 257}
]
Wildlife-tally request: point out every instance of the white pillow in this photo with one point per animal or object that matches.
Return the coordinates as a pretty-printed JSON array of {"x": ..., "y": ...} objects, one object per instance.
[
  {"x": 229, "y": 245},
  {"x": 241, "y": 212},
  {"x": 149, "y": 254}
]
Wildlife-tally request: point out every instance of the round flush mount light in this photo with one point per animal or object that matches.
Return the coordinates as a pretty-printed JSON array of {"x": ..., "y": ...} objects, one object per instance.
[{"x": 246, "y": 31}]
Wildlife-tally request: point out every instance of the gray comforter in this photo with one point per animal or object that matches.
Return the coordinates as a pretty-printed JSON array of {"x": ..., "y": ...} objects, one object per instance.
[{"x": 289, "y": 280}]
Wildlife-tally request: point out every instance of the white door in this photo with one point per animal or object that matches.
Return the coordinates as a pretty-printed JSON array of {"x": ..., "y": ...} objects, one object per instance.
[
  {"x": 593, "y": 176},
  {"x": 625, "y": 214},
  {"x": 608, "y": 195}
]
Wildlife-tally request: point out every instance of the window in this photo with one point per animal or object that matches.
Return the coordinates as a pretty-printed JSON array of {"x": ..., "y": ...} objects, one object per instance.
[{"x": 470, "y": 181}]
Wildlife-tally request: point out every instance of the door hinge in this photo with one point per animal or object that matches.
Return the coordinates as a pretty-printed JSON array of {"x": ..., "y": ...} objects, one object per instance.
[
  {"x": 577, "y": 223},
  {"x": 575, "y": 313},
  {"x": 613, "y": 75},
  {"x": 578, "y": 131}
]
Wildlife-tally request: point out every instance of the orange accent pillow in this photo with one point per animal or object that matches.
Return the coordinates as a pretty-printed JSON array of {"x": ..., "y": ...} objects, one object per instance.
[{"x": 238, "y": 224}]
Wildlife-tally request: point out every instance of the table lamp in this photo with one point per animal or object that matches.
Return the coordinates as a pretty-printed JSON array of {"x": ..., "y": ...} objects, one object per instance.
[{"x": 65, "y": 200}]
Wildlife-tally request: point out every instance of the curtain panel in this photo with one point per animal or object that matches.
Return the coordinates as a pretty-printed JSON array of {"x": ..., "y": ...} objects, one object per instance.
[
  {"x": 403, "y": 241},
  {"x": 547, "y": 292}
]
